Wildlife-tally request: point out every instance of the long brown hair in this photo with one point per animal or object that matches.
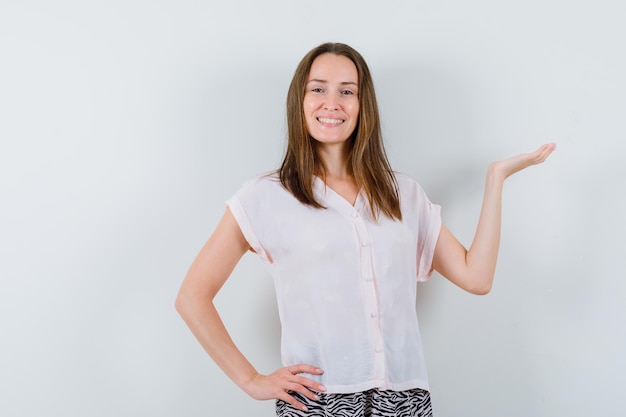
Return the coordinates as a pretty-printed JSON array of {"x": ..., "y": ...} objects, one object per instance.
[{"x": 367, "y": 160}]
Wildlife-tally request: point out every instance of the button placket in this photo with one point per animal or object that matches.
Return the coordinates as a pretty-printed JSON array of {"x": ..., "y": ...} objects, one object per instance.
[{"x": 371, "y": 296}]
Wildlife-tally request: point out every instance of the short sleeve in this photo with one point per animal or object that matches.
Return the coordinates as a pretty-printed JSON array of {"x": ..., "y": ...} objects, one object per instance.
[
  {"x": 424, "y": 217},
  {"x": 429, "y": 226},
  {"x": 244, "y": 207}
]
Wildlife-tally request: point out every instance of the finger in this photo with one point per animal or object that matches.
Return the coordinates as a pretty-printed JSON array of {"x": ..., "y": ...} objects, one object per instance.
[
  {"x": 303, "y": 368},
  {"x": 303, "y": 391},
  {"x": 309, "y": 383},
  {"x": 547, "y": 148},
  {"x": 309, "y": 369},
  {"x": 545, "y": 152},
  {"x": 541, "y": 154},
  {"x": 291, "y": 400}
]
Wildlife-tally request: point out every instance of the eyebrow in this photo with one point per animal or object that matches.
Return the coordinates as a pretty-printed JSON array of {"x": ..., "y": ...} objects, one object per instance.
[{"x": 315, "y": 80}]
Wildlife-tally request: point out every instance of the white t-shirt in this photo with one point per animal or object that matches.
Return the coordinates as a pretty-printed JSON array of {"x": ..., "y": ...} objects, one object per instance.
[{"x": 345, "y": 283}]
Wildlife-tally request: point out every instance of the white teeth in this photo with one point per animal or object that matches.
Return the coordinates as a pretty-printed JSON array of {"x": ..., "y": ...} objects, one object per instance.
[{"x": 331, "y": 121}]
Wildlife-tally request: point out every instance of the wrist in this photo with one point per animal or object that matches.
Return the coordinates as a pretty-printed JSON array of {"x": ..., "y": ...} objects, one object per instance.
[{"x": 247, "y": 383}]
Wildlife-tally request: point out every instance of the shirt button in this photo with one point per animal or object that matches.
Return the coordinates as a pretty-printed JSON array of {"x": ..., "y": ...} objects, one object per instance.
[
  {"x": 379, "y": 349},
  {"x": 364, "y": 243},
  {"x": 373, "y": 315},
  {"x": 369, "y": 278},
  {"x": 355, "y": 214}
]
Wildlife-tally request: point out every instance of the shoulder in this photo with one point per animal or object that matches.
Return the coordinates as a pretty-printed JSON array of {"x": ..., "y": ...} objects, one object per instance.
[
  {"x": 401, "y": 177},
  {"x": 410, "y": 191},
  {"x": 266, "y": 182},
  {"x": 406, "y": 183},
  {"x": 261, "y": 188}
]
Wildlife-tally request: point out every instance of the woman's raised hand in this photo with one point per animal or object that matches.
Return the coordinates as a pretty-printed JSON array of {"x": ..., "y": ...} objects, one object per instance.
[
  {"x": 507, "y": 167},
  {"x": 474, "y": 269},
  {"x": 279, "y": 384}
]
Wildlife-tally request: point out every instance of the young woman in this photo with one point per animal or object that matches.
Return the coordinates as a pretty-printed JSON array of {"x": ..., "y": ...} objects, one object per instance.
[{"x": 345, "y": 239}]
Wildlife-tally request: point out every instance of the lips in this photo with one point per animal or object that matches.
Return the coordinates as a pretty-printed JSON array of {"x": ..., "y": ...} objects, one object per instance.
[{"x": 330, "y": 121}]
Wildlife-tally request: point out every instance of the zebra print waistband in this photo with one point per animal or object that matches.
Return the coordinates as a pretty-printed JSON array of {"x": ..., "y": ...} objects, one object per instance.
[{"x": 371, "y": 403}]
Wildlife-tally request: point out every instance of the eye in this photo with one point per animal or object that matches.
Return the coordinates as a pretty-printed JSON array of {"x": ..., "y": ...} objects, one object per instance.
[
  {"x": 347, "y": 92},
  {"x": 317, "y": 90}
]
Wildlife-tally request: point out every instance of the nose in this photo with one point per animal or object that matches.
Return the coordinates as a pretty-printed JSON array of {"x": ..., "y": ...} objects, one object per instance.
[{"x": 331, "y": 102}]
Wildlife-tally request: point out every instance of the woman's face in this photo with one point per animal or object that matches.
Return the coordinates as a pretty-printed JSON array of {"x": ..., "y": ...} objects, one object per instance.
[{"x": 331, "y": 99}]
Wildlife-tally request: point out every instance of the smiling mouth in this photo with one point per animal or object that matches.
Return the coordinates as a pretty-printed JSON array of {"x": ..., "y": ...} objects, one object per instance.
[{"x": 330, "y": 121}]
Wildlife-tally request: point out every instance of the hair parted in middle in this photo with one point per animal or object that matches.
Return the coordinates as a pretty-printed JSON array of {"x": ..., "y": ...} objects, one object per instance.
[{"x": 367, "y": 160}]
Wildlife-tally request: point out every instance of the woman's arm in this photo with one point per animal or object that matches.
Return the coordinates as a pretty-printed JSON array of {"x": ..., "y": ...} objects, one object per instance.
[
  {"x": 474, "y": 269},
  {"x": 194, "y": 302}
]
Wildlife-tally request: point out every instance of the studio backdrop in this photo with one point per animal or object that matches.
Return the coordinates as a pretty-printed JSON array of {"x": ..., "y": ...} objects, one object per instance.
[{"x": 126, "y": 125}]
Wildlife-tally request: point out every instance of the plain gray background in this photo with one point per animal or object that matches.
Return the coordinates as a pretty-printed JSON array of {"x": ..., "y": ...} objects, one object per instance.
[{"x": 125, "y": 125}]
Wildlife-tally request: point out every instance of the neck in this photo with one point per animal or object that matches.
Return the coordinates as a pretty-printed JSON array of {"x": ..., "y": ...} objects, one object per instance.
[{"x": 334, "y": 161}]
